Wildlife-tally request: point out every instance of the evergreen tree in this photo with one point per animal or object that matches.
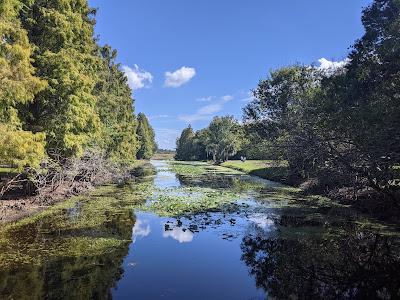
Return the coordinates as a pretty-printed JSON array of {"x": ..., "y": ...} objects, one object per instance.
[
  {"x": 66, "y": 56},
  {"x": 18, "y": 87},
  {"x": 115, "y": 109},
  {"x": 146, "y": 138}
]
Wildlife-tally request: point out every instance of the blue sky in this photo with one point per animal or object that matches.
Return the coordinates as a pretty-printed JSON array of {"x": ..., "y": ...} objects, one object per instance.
[{"x": 188, "y": 60}]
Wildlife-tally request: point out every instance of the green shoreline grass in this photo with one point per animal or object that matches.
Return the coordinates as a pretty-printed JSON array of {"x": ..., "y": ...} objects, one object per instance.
[{"x": 267, "y": 169}]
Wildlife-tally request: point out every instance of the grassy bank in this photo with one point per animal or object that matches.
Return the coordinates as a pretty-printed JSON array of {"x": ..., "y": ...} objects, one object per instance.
[{"x": 267, "y": 169}]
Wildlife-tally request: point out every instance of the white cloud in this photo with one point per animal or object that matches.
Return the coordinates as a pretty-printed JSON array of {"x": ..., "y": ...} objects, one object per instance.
[
  {"x": 331, "y": 67},
  {"x": 210, "y": 109},
  {"x": 137, "y": 78},
  {"x": 205, "y": 99},
  {"x": 179, "y": 77},
  {"x": 178, "y": 234},
  {"x": 227, "y": 98},
  {"x": 206, "y": 112},
  {"x": 156, "y": 117}
]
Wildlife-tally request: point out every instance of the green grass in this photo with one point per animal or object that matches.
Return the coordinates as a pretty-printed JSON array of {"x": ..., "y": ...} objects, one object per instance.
[{"x": 267, "y": 169}]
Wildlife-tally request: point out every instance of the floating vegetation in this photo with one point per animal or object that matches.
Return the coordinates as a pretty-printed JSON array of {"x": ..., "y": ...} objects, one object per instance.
[
  {"x": 198, "y": 168},
  {"x": 190, "y": 200}
]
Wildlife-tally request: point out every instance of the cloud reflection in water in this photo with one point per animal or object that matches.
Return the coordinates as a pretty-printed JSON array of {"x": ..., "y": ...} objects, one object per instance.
[
  {"x": 179, "y": 234},
  {"x": 140, "y": 230}
]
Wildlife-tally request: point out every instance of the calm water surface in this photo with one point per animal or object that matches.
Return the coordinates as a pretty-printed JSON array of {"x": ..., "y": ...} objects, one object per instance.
[{"x": 267, "y": 243}]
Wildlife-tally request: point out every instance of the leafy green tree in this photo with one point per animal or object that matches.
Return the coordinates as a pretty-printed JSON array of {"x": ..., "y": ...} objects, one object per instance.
[
  {"x": 342, "y": 127},
  {"x": 224, "y": 138},
  {"x": 282, "y": 113},
  {"x": 18, "y": 84},
  {"x": 361, "y": 107},
  {"x": 146, "y": 137},
  {"x": 184, "y": 145}
]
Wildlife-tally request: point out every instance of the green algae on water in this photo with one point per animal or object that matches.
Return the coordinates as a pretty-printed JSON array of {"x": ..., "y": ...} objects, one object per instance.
[{"x": 80, "y": 226}]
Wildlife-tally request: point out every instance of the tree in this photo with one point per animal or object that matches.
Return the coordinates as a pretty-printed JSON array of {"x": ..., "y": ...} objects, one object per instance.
[
  {"x": 65, "y": 56},
  {"x": 361, "y": 107},
  {"x": 19, "y": 148},
  {"x": 18, "y": 87},
  {"x": 282, "y": 114},
  {"x": 184, "y": 145},
  {"x": 115, "y": 109},
  {"x": 224, "y": 138},
  {"x": 146, "y": 137}
]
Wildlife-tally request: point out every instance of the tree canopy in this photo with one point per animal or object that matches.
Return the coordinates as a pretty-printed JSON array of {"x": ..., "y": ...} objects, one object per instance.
[
  {"x": 61, "y": 92},
  {"x": 220, "y": 140},
  {"x": 146, "y": 138}
]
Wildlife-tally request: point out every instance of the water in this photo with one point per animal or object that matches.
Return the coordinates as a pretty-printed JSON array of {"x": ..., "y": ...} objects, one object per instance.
[{"x": 263, "y": 240}]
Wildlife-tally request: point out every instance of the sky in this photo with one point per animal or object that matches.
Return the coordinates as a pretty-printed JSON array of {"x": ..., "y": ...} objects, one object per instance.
[{"x": 190, "y": 60}]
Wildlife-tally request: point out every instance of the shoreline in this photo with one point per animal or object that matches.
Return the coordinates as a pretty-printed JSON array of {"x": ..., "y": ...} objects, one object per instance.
[
  {"x": 18, "y": 209},
  {"x": 14, "y": 210},
  {"x": 369, "y": 202}
]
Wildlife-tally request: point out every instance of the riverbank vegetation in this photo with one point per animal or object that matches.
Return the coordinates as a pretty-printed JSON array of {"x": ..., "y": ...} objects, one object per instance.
[
  {"x": 66, "y": 110},
  {"x": 268, "y": 169},
  {"x": 338, "y": 129}
]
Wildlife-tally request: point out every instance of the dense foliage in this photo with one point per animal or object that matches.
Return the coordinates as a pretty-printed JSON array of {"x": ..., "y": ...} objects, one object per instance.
[
  {"x": 145, "y": 133},
  {"x": 60, "y": 91},
  {"x": 339, "y": 126},
  {"x": 18, "y": 87},
  {"x": 219, "y": 141}
]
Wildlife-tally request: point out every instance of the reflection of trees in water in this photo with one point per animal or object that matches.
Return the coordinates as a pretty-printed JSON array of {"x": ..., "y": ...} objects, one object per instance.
[
  {"x": 87, "y": 276},
  {"x": 360, "y": 265}
]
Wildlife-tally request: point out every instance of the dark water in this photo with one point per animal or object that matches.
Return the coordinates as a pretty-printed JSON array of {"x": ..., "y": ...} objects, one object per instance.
[{"x": 267, "y": 244}]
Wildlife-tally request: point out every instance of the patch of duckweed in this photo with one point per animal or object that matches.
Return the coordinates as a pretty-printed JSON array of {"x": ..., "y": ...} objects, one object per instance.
[
  {"x": 190, "y": 200},
  {"x": 188, "y": 168}
]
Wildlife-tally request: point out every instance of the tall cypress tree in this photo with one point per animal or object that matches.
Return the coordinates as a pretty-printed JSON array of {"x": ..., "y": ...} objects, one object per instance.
[
  {"x": 18, "y": 84},
  {"x": 146, "y": 137},
  {"x": 115, "y": 109},
  {"x": 18, "y": 87},
  {"x": 66, "y": 56}
]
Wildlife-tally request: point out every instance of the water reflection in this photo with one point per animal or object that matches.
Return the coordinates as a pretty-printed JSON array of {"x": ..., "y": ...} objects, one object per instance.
[
  {"x": 275, "y": 244},
  {"x": 182, "y": 235},
  {"x": 140, "y": 230},
  {"x": 357, "y": 265},
  {"x": 88, "y": 274},
  {"x": 72, "y": 251}
]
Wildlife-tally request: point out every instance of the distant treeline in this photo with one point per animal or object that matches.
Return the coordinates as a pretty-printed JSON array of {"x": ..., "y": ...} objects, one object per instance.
[
  {"x": 339, "y": 127},
  {"x": 61, "y": 92}
]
